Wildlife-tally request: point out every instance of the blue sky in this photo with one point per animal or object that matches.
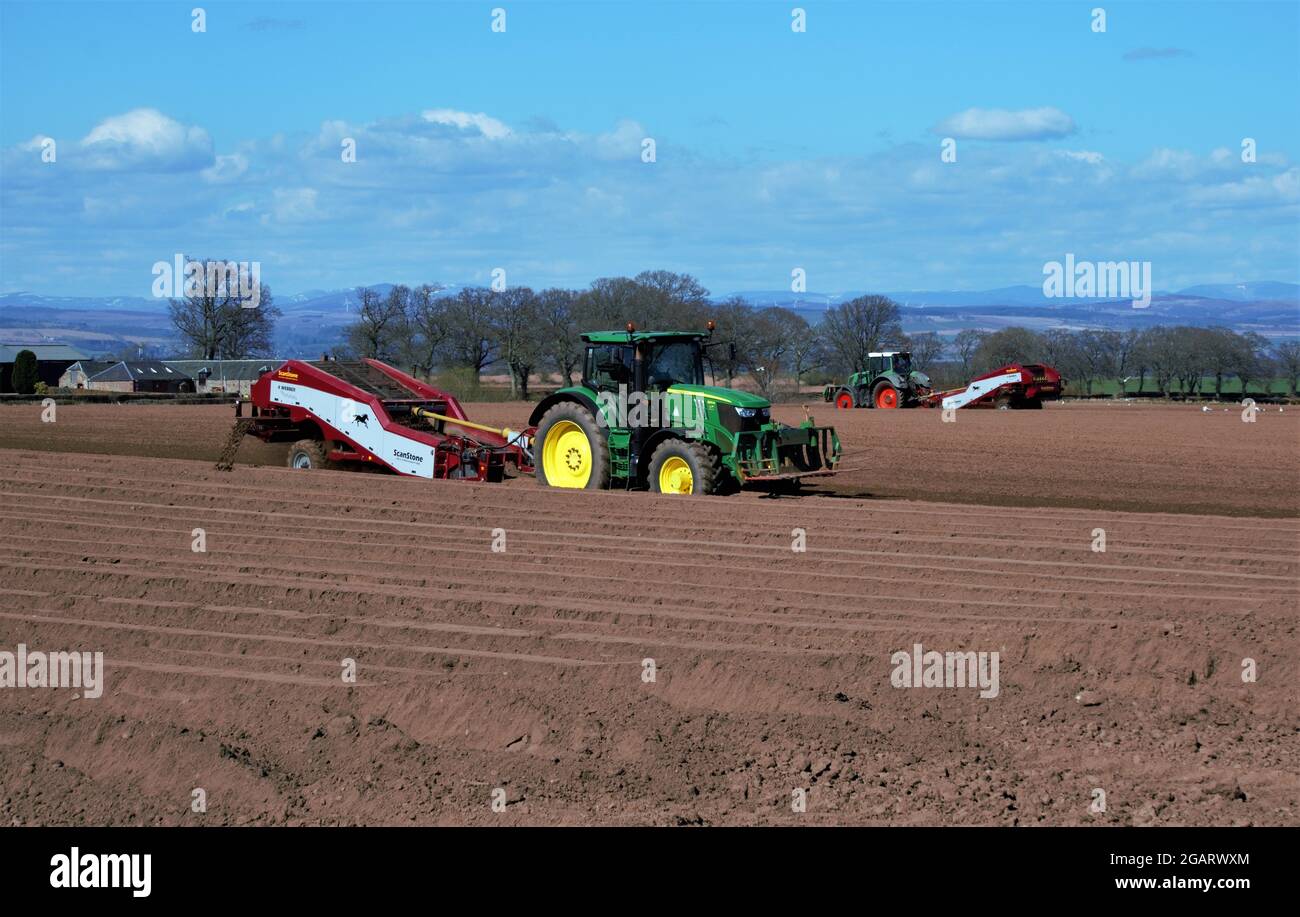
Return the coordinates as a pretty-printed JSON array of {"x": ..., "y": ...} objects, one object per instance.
[{"x": 523, "y": 150}]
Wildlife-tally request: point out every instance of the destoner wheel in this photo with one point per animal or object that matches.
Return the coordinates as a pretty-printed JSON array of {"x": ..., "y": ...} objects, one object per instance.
[{"x": 307, "y": 455}]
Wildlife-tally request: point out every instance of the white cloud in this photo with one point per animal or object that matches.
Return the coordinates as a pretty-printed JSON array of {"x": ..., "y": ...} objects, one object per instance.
[
  {"x": 226, "y": 169},
  {"x": 440, "y": 202},
  {"x": 145, "y": 138},
  {"x": 489, "y": 127},
  {"x": 1001, "y": 124},
  {"x": 294, "y": 205}
]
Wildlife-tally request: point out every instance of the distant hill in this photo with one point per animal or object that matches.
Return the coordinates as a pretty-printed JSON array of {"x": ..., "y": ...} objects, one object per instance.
[{"x": 313, "y": 320}]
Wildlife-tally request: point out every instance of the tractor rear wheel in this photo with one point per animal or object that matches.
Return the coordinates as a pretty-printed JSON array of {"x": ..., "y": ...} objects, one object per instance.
[
  {"x": 681, "y": 467},
  {"x": 307, "y": 455},
  {"x": 844, "y": 400},
  {"x": 571, "y": 450},
  {"x": 885, "y": 396}
]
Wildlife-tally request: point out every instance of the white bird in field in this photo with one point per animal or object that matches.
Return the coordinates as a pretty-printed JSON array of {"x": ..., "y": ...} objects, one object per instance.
[{"x": 1207, "y": 410}]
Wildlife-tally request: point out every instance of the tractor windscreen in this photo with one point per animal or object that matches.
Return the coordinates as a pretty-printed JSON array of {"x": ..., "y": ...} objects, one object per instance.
[
  {"x": 902, "y": 364},
  {"x": 672, "y": 362}
]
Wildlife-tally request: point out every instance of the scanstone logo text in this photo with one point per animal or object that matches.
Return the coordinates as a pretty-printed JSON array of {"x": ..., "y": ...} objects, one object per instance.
[
  {"x": 932, "y": 669},
  {"x": 182, "y": 279},
  {"x": 61, "y": 669},
  {"x": 637, "y": 410},
  {"x": 103, "y": 870}
]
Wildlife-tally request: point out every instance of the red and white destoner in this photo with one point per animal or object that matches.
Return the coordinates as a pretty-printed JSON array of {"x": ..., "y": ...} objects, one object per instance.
[{"x": 367, "y": 411}]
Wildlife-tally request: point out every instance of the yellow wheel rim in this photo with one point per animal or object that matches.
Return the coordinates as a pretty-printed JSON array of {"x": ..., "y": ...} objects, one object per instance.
[
  {"x": 675, "y": 476},
  {"x": 566, "y": 455}
]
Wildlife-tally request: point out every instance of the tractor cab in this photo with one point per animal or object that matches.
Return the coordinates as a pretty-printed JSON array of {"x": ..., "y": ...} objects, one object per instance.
[
  {"x": 886, "y": 361},
  {"x": 642, "y": 361}
]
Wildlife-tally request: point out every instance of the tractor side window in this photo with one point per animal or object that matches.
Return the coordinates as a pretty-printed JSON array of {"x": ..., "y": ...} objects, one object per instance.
[
  {"x": 678, "y": 361},
  {"x": 902, "y": 364},
  {"x": 609, "y": 366}
]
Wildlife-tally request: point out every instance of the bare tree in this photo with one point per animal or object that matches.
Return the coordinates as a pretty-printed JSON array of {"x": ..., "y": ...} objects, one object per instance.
[
  {"x": 1286, "y": 356},
  {"x": 514, "y": 321},
  {"x": 380, "y": 330},
  {"x": 1162, "y": 349},
  {"x": 734, "y": 318},
  {"x": 559, "y": 332},
  {"x": 769, "y": 345},
  {"x": 855, "y": 328},
  {"x": 213, "y": 322},
  {"x": 965, "y": 344},
  {"x": 1093, "y": 356},
  {"x": 1251, "y": 361},
  {"x": 609, "y": 303},
  {"x": 1126, "y": 356},
  {"x": 471, "y": 336},
  {"x": 806, "y": 349},
  {"x": 671, "y": 301},
  {"x": 428, "y": 328},
  {"x": 927, "y": 350},
  {"x": 1009, "y": 345}
]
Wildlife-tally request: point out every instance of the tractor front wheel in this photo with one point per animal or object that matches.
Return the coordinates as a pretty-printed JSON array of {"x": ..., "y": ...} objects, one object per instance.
[
  {"x": 571, "y": 450},
  {"x": 844, "y": 400},
  {"x": 681, "y": 467},
  {"x": 885, "y": 396},
  {"x": 307, "y": 455}
]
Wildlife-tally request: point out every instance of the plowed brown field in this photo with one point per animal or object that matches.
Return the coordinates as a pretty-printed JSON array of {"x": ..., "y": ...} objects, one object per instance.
[
  {"x": 523, "y": 669},
  {"x": 1111, "y": 455}
]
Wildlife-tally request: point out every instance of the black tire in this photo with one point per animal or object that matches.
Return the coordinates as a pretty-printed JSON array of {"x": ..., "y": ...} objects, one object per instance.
[
  {"x": 705, "y": 465},
  {"x": 573, "y": 412},
  {"x": 1003, "y": 403},
  {"x": 1033, "y": 404},
  {"x": 307, "y": 455}
]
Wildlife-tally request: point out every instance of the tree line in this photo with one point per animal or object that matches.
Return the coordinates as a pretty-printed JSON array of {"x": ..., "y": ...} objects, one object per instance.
[
  {"x": 536, "y": 334},
  {"x": 1180, "y": 359}
]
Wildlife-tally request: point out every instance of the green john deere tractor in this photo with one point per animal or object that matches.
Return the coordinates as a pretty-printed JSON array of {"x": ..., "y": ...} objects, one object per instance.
[
  {"x": 642, "y": 416},
  {"x": 887, "y": 382}
]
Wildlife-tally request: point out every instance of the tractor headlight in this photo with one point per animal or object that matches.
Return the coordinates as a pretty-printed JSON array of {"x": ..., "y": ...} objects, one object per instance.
[{"x": 747, "y": 412}]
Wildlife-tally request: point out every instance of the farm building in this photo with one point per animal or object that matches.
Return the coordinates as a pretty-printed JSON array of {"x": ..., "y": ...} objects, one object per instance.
[
  {"x": 51, "y": 361},
  {"x": 142, "y": 376},
  {"x": 230, "y": 377},
  {"x": 75, "y": 376}
]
